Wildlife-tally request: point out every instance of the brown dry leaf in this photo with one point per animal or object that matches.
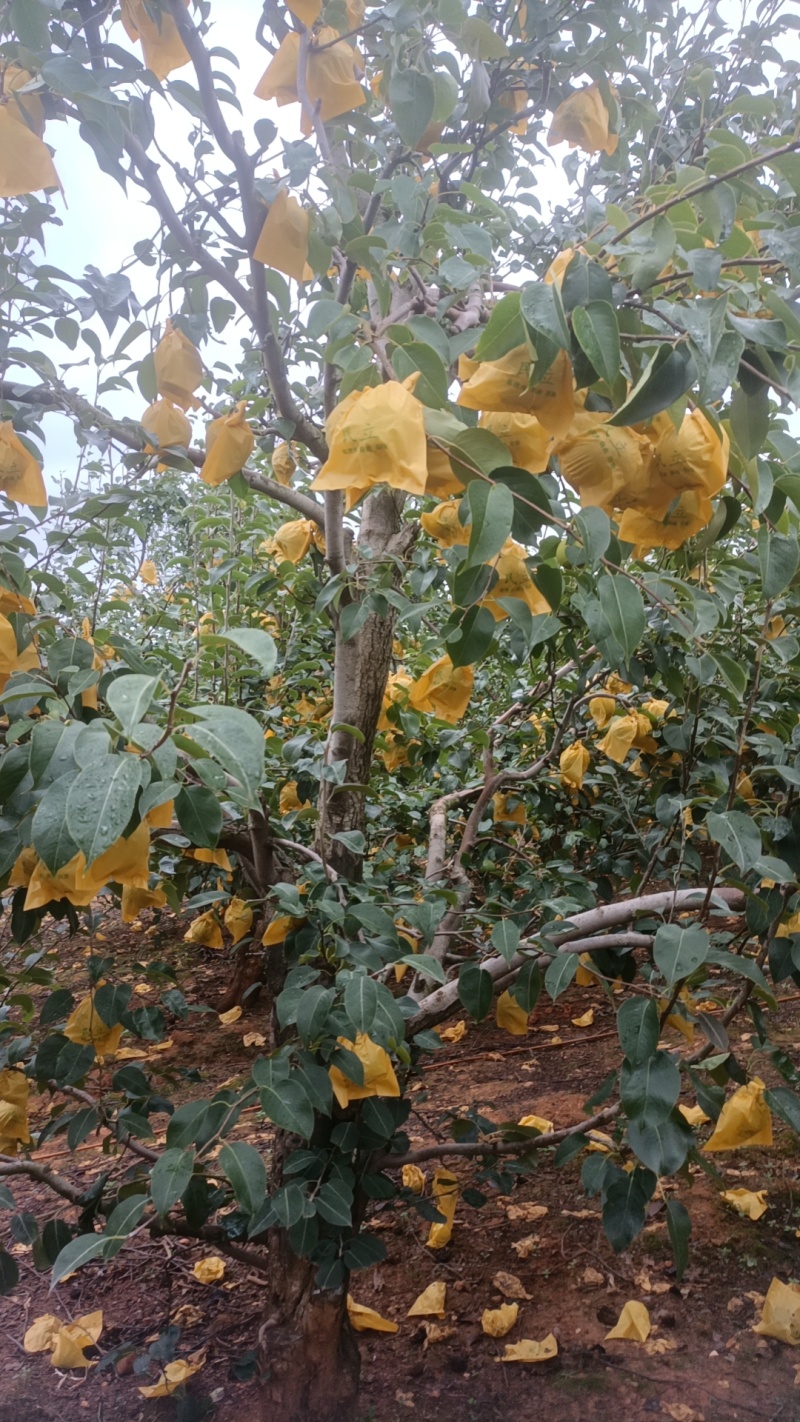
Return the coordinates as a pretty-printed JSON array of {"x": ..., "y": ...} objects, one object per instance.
[
  {"x": 161, "y": 1046},
  {"x": 643, "y": 1281},
  {"x": 679, "y": 1412},
  {"x": 528, "y": 1350},
  {"x": 130, "y": 1054},
  {"x": 431, "y": 1302},
  {"x": 406, "y": 1399},
  {"x": 580, "y": 1214},
  {"x": 527, "y": 1212},
  {"x": 209, "y": 1269},
  {"x": 435, "y": 1333},
  {"x": 187, "y": 1316},
  {"x": 524, "y": 1248},
  {"x": 510, "y": 1286},
  {"x": 797, "y": 1375},
  {"x": 254, "y": 1039},
  {"x": 497, "y": 1322},
  {"x": 143, "y": 988},
  {"x": 226, "y": 1018},
  {"x": 592, "y": 1278},
  {"x": 633, "y": 1323},
  {"x": 173, "y": 1375}
]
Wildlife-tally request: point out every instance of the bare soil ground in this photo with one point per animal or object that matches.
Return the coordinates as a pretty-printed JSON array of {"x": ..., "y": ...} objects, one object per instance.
[{"x": 703, "y": 1359}]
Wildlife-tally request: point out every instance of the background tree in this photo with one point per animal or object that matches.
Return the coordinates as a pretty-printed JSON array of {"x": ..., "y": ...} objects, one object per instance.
[{"x": 501, "y": 494}]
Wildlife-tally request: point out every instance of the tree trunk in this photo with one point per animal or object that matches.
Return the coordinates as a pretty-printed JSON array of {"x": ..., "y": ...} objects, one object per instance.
[
  {"x": 308, "y": 1356},
  {"x": 360, "y": 674}
]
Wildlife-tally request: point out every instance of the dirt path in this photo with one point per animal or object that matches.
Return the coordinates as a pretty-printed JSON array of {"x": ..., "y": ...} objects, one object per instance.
[{"x": 702, "y": 1361}]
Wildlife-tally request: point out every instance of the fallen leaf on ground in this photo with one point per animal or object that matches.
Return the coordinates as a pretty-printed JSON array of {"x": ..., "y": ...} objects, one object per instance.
[
  {"x": 406, "y": 1399},
  {"x": 751, "y": 1203},
  {"x": 497, "y": 1322},
  {"x": 254, "y": 1039},
  {"x": 528, "y": 1350},
  {"x": 524, "y": 1248},
  {"x": 431, "y": 1302},
  {"x": 780, "y": 1317},
  {"x": 585, "y": 1020},
  {"x": 679, "y": 1412},
  {"x": 592, "y": 1277},
  {"x": 173, "y": 1375},
  {"x": 187, "y": 1316},
  {"x": 643, "y": 1281},
  {"x": 435, "y": 1333},
  {"x": 363, "y": 1319},
  {"x": 454, "y": 1033},
  {"x": 633, "y": 1323},
  {"x": 581, "y": 1214},
  {"x": 510, "y": 1286},
  {"x": 209, "y": 1269},
  {"x": 556, "y": 1041},
  {"x": 161, "y": 1046},
  {"x": 526, "y": 1211},
  {"x": 226, "y": 1018},
  {"x": 130, "y": 1054}
]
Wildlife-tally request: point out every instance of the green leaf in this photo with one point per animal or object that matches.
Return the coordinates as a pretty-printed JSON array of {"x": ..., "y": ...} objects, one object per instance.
[
  {"x": 678, "y": 951},
  {"x": 670, "y": 373},
  {"x": 737, "y": 834},
  {"x": 528, "y": 986},
  {"x": 100, "y": 803},
  {"x": 313, "y": 1012},
  {"x": 560, "y": 973},
  {"x": 51, "y": 837},
  {"x": 412, "y": 97},
  {"x": 638, "y": 1028},
  {"x": 476, "y": 452},
  {"x": 169, "y": 1177},
  {"x": 199, "y": 815},
  {"x": 470, "y": 639},
  {"x": 288, "y": 1107},
  {"x": 623, "y": 608},
  {"x": 9, "y": 1272},
  {"x": 475, "y": 991},
  {"x": 541, "y": 308},
  {"x": 664, "y": 1146},
  {"x": 597, "y": 333},
  {"x": 624, "y": 1207},
  {"x": 649, "y": 1091},
  {"x": 255, "y": 643},
  {"x": 480, "y": 41},
  {"x": 29, "y": 24},
  {"x": 334, "y": 1202},
  {"x": 492, "y": 510},
  {"x": 585, "y": 282},
  {"x": 750, "y": 419},
  {"x": 236, "y": 741},
  {"x": 361, "y": 1002},
  {"x": 247, "y": 1173},
  {"x": 129, "y": 697},
  {"x": 593, "y": 527},
  {"x": 505, "y": 938},
  {"x": 786, "y": 1104},
  {"x": 431, "y": 388},
  {"x": 121, "y": 1222},
  {"x": 77, "y": 1253},
  {"x": 679, "y": 1227},
  {"x": 504, "y": 331},
  {"x": 532, "y": 508},
  {"x": 778, "y": 559}
]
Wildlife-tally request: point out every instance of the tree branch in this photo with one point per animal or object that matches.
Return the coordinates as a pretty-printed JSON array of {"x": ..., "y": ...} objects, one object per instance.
[{"x": 496, "y": 1147}]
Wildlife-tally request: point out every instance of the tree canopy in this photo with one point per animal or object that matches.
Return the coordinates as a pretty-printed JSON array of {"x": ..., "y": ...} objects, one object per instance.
[{"x": 419, "y": 616}]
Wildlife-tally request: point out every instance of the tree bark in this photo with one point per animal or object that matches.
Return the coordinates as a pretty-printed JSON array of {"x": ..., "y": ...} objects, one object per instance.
[
  {"x": 361, "y": 670},
  {"x": 308, "y": 1356}
]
